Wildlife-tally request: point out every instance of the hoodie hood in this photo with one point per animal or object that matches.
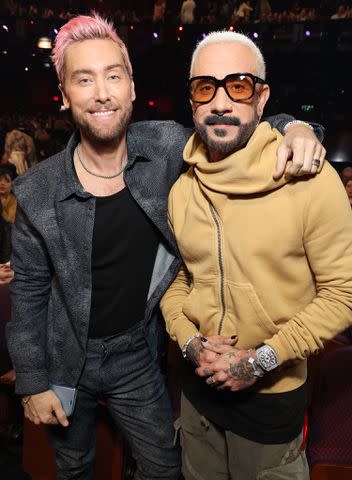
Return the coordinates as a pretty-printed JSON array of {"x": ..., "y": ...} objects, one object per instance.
[{"x": 245, "y": 172}]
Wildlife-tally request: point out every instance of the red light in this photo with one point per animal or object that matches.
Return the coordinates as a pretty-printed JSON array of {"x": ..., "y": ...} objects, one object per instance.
[
  {"x": 180, "y": 28},
  {"x": 56, "y": 98},
  {"x": 132, "y": 27},
  {"x": 151, "y": 103},
  {"x": 32, "y": 22}
]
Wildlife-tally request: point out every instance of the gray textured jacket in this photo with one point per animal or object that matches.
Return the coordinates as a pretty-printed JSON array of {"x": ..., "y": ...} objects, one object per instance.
[{"x": 52, "y": 246}]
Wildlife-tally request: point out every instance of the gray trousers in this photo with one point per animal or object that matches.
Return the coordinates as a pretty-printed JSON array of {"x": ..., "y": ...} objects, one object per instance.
[
  {"x": 212, "y": 453},
  {"x": 122, "y": 370}
]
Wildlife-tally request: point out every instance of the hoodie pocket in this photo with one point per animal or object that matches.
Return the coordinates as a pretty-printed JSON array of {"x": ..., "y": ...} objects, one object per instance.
[{"x": 246, "y": 315}]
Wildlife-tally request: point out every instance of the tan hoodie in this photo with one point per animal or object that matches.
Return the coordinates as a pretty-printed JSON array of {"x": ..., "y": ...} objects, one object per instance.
[{"x": 269, "y": 261}]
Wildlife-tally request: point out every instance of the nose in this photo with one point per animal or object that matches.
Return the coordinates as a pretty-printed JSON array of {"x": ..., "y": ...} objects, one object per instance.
[
  {"x": 221, "y": 103},
  {"x": 102, "y": 94}
]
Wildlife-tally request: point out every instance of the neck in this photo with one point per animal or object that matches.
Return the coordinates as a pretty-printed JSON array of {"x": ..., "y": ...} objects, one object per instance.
[
  {"x": 4, "y": 196},
  {"x": 106, "y": 157}
]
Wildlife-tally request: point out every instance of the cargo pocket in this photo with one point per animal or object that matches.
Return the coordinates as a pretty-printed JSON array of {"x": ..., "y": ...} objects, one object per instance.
[{"x": 293, "y": 465}]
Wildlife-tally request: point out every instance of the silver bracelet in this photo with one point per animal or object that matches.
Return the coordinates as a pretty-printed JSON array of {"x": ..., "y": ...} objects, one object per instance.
[
  {"x": 297, "y": 122},
  {"x": 185, "y": 346}
]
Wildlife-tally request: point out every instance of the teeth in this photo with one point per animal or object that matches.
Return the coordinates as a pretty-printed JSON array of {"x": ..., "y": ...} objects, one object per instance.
[{"x": 103, "y": 113}]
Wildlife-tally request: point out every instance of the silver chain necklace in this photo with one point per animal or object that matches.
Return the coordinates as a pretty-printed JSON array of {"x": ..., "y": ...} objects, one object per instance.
[{"x": 107, "y": 177}]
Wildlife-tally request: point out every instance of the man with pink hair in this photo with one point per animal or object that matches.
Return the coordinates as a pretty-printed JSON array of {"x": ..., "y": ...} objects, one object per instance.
[{"x": 93, "y": 254}]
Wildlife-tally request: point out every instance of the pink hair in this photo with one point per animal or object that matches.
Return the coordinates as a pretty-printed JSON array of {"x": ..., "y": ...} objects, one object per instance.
[{"x": 85, "y": 27}]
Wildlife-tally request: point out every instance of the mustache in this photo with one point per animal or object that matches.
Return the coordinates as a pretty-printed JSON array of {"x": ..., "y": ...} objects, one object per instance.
[{"x": 216, "y": 120}]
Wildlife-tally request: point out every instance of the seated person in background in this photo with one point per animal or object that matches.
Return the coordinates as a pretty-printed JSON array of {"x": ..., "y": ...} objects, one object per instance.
[
  {"x": 20, "y": 149},
  {"x": 7, "y": 199}
]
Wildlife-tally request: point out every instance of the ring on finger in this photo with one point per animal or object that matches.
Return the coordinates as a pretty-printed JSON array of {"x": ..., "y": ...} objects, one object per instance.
[
  {"x": 210, "y": 381},
  {"x": 316, "y": 162}
]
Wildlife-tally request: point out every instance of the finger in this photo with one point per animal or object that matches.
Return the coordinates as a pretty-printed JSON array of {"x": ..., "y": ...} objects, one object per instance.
[
  {"x": 322, "y": 159},
  {"x": 204, "y": 371},
  {"x": 49, "y": 420},
  {"x": 297, "y": 159},
  {"x": 220, "y": 377},
  {"x": 308, "y": 158},
  {"x": 60, "y": 414},
  {"x": 283, "y": 155},
  {"x": 216, "y": 348}
]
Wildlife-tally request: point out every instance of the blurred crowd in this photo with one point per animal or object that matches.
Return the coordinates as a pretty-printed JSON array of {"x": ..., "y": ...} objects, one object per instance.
[{"x": 188, "y": 11}]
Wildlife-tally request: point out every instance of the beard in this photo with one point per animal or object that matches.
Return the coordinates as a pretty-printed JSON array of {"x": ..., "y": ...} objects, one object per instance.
[
  {"x": 226, "y": 147},
  {"x": 104, "y": 134}
]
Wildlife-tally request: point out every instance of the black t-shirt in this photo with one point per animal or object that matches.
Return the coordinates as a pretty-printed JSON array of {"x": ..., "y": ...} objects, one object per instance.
[
  {"x": 123, "y": 253},
  {"x": 259, "y": 417}
]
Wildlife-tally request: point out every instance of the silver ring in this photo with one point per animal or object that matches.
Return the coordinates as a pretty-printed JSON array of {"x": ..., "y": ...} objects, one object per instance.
[
  {"x": 210, "y": 381},
  {"x": 316, "y": 162}
]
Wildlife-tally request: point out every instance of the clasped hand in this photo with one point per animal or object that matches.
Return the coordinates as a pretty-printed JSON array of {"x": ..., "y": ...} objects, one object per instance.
[{"x": 223, "y": 365}]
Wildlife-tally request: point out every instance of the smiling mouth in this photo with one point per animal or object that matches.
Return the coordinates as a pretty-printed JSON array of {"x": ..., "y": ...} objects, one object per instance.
[{"x": 103, "y": 113}]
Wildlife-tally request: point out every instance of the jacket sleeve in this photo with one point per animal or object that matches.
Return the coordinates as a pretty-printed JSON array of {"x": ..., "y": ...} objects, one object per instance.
[
  {"x": 30, "y": 289},
  {"x": 179, "y": 327},
  {"x": 279, "y": 121},
  {"x": 328, "y": 246}
]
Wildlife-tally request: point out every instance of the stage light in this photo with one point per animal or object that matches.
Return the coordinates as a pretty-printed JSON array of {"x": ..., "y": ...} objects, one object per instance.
[
  {"x": 44, "y": 43},
  {"x": 5, "y": 27},
  {"x": 155, "y": 35},
  {"x": 4, "y": 52},
  {"x": 151, "y": 103},
  {"x": 56, "y": 31},
  {"x": 178, "y": 39},
  {"x": 56, "y": 98},
  {"x": 132, "y": 27},
  {"x": 255, "y": 35},
  {"x": 307, "y": 33},
  {"x": 26, "y": 69},
  {"x": 339, "y": 157},
  {"x": 32, "y": 22},
  {"x": 231, "y": 28},
  {"x": 47, "y": 65},
  {"x": 180, "y": 28}
]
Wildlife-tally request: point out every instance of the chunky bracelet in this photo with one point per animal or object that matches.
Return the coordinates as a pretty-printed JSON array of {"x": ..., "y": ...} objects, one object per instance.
[
  {"x": 185, "y": 346},
  {"x": 297, "y": 122}
]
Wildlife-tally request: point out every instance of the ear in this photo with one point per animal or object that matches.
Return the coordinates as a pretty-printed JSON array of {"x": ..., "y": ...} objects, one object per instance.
[
  {"x": 65, "y": 100},
  {"x": 133, "y": 91},
  {"x": 263, "y": 98}
]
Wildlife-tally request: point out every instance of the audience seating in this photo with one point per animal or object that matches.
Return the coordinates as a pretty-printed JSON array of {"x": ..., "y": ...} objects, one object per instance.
[{"x": 329, "y": 446}]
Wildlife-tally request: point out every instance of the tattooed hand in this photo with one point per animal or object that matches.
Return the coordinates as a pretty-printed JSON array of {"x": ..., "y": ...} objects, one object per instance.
[
  {"x": 197, "y": 354},
  {"x": 231, "y": 370},
  {"x": 202, "y": 351}
]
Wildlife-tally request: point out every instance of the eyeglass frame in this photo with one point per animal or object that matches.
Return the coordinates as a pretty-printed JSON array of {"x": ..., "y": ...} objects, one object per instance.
[{"x": 222, "y": 83}]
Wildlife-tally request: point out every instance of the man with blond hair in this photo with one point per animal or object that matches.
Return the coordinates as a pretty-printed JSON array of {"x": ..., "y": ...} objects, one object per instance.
[
  {"x": 270, "y": 276},
  {"x": 93, "y": 255}
]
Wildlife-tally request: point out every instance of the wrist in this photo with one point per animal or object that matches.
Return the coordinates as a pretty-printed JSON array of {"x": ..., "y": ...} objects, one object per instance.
[
  {"x": 266, "y": 358},
  {"x": 257, "y": 370},
  {"x": 296, "y": 123}
]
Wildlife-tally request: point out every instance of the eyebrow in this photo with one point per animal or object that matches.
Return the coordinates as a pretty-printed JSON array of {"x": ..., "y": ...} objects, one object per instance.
[{"x": 87, "y": 71}]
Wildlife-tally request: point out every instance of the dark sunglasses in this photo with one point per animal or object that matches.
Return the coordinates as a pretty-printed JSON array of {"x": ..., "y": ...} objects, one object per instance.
[{"x": 238, "y": 86}]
